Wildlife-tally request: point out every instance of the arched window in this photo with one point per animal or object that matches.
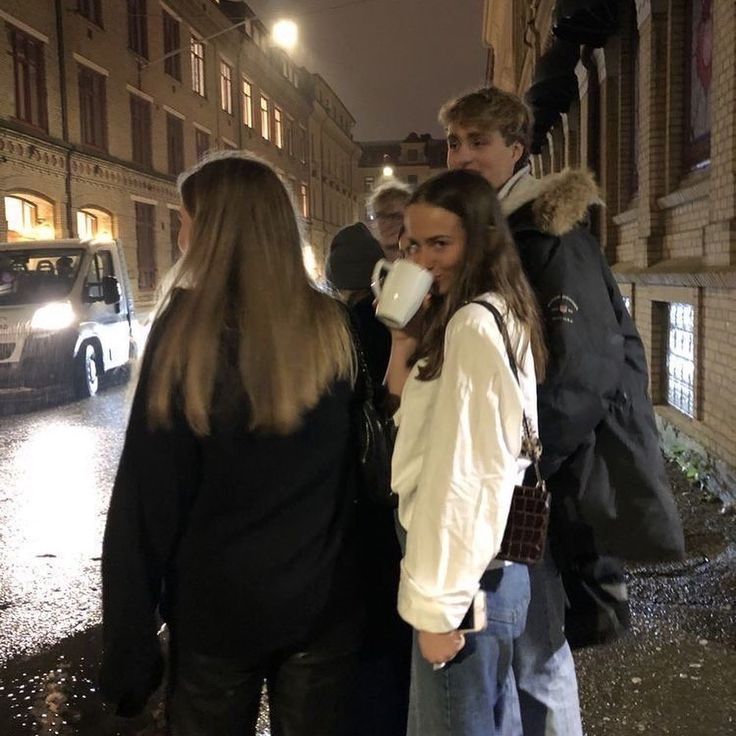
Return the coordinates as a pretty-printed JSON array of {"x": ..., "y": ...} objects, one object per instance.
[
  {"x": 93, "y": 222},
  {"x": 29, "y": 217},
  {"x": 698, "y": 75}
]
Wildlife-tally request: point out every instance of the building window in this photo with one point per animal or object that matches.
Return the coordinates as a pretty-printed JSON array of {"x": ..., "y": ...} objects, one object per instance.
[
  {"x": 247, "y": 103},
  {"x": 681, "y": 358},
  {"x": 29, "y": 77},
  {"x": 278, "y": 128},
  {"x": 92, "y": 108},
  {"x": 21, "y": 216},
  {"x": 175, "y": 143},
  {"x": 412, "y": 179},
  {"x": 172, "y": 46},
  {"x": 412, "y": 154},
  {"x": 140, "y": 127},
  {"x": 201, "y": 143},
  {"x": 145, "y": 233},
  {"x": 174, "y": 227},
  {"x": 698, "y": 76},
  {"x": 368, "y": 184},
  {"x": 265, "y": 118},
  {"x": 303, "y": 145},
  {"x": 91, "y": 10},
  {"x": 289, "y": 135},
  {"x": 627, "y": 303},
  {"x": 94, "y": 223},
  {"x": 86, "y": 225},
  {"x": 226, "y": 87},
  {"x": 197, "y": 54},
  {"x": 138, "y": 27},
  {"x": 304, "y": 199}
]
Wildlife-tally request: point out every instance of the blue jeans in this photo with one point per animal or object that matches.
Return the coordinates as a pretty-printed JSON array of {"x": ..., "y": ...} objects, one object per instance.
[
  {"x": 543, "y": 665},
  {"x": 475, "y": 694}
]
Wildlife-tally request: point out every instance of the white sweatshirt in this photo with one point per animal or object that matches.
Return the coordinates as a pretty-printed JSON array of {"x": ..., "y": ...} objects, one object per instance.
[{"x": 455, "y": 464}]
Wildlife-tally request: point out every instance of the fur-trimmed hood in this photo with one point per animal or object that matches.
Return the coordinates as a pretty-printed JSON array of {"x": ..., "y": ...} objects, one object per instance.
[{"x": 560, "y": 200}]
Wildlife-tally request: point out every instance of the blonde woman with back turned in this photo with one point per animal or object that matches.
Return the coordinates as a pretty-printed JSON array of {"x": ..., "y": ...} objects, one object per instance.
[{"x": 232, "y": 511}]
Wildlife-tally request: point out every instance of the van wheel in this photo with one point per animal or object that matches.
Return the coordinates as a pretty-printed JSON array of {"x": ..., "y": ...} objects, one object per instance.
[{"x": 86, "y": 372}]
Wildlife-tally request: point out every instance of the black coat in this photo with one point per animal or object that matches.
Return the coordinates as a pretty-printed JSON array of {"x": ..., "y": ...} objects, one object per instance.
[
  {"x": 244, "y": 542},
  {"x": 601, "y": 457}
]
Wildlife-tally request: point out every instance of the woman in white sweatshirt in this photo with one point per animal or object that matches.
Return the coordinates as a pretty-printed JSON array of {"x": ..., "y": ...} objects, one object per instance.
[{"x": 458, "y": 455}]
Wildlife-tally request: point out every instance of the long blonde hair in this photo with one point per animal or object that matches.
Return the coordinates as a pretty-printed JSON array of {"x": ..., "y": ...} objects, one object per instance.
[{"x": 244, "y": 272}]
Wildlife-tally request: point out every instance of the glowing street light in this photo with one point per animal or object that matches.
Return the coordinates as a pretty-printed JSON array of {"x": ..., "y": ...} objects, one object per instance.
[
  {"x": 388, "y": 171},
  {"x": 285, "y": 34}
]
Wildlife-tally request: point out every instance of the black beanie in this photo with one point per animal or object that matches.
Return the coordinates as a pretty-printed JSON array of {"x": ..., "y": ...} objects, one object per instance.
[{"x": 353, "y": 255}]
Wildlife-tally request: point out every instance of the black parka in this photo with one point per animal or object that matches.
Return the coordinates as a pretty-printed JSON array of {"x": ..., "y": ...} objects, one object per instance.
[{"x": 601, "y": 456}]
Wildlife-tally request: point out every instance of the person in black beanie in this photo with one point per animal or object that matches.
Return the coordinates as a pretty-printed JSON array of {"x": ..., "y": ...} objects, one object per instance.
[
  {"x": 383, "y": 675},
  {"x": 353, "y": 255}
]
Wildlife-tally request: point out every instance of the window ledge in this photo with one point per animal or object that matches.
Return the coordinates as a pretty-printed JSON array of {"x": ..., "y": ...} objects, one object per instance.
[
  {"x": 695, "y": 191},
  {"x": 625, "y": 218}
]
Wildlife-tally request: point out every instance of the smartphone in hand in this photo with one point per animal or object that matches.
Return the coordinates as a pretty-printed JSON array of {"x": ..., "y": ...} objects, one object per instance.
[{"x": 476, "y": 618}]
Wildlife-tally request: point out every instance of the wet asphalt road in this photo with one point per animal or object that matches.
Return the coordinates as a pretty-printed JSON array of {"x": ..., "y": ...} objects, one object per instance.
[{"x": 674, "y": 674}]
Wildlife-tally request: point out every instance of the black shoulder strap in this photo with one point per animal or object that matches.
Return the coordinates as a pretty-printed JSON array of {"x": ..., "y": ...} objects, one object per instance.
[{"x": 533, "y": 447}]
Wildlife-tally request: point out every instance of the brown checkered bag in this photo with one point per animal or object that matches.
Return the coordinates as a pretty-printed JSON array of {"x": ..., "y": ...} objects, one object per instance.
[{"x": 526, "y": 528}]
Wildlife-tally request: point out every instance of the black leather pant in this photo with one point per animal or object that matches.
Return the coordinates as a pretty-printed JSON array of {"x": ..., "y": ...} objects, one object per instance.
[{"x": 309, "y": 694}]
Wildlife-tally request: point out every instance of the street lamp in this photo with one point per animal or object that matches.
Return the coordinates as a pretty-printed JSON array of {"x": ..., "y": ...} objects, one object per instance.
[
  {"x": 285, "y": 34},
  {"x": 388, "y": 171}
]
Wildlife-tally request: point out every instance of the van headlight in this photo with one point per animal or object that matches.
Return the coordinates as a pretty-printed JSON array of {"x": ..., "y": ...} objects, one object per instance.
[{"x": 53, "y": 317}]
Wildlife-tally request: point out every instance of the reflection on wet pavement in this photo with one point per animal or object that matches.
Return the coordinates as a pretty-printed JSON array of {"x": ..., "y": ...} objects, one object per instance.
[
  {"x": 672, "y": 675},
  {"x": 56, "y": 472}
]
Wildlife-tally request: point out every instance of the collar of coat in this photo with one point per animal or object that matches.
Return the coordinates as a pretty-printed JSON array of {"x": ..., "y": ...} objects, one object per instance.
[{"x": 560, "y": 201}]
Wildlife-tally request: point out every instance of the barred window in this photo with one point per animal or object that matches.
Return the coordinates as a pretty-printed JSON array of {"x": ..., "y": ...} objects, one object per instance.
[{"x": 681, "y": 358}]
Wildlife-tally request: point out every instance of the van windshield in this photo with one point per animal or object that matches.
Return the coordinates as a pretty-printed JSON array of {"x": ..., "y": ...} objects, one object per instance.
[{"x": 37, "y": 275}]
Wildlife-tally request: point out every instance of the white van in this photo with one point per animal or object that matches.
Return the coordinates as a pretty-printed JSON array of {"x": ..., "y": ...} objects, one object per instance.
[{"x": 66, "y": 314}]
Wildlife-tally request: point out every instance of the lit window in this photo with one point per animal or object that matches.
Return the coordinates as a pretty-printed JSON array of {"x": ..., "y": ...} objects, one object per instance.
[
  {"x": 29, "y": 218},
  {"x": 86, "y": 225},
  {"x": 278, "y": 128},
  {"x": 94, "y": 223},
  {"x": 20, "y": 215},
  {"x": 247, "y": 103},
  {"x": 197, "y": 53},
  {"x": 265, "y": 118},
  {"x": 681, "y": 358},
  {"x": 226, "y": 88},
  {"x": 304, "y": 199}
]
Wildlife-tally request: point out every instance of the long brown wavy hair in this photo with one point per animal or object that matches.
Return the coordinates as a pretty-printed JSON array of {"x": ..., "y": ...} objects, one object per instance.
[
  {"x": 490, "y": 263},
  {"x": 244, "y": 272}
]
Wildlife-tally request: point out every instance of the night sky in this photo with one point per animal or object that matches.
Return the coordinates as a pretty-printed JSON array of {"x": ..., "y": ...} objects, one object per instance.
[{"x": 392, "y": 62}]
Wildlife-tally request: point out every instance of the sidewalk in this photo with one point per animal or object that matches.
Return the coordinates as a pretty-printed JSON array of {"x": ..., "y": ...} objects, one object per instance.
[{"x": 672, "y": 675}]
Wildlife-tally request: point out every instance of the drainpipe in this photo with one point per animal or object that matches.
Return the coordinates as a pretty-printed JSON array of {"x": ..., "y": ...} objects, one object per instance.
[{"x": 64, "y": 117}]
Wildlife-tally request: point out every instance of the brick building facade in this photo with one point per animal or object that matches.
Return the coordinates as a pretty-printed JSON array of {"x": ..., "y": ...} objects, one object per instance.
[
  {"x": 107, "y": 101},
  {"x": 654, "y": 116}
]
